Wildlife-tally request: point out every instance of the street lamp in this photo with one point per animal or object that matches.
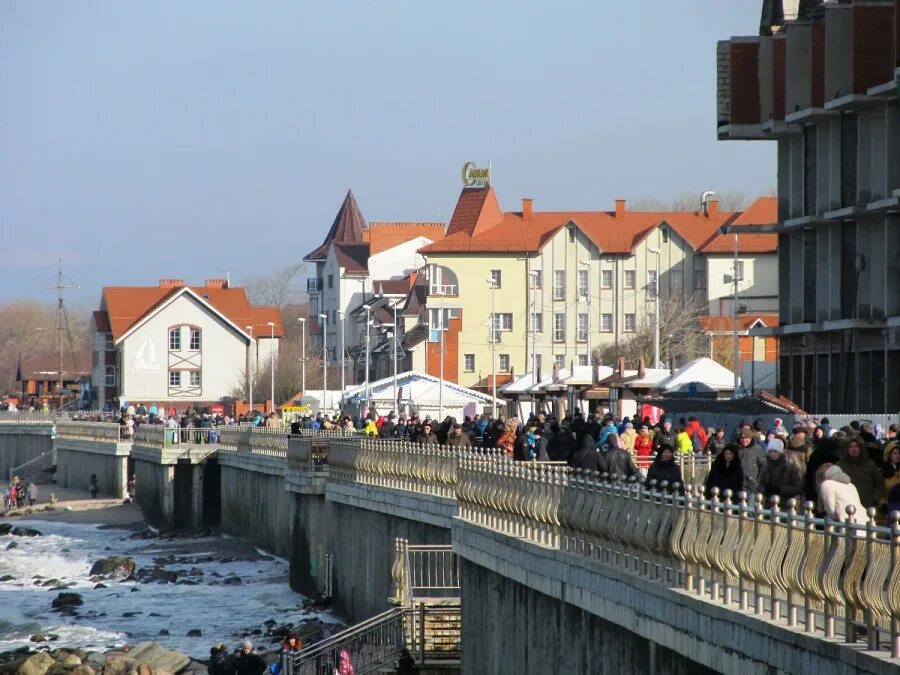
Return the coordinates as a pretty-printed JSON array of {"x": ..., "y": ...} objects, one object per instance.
[
  {"x": 302, "y": 354},
  {"x": 655, "y": 251},
  {"x": 272, "y": 360},
  {"x": 324, "y": 318},
  {"x": 250, "y": 369},
  {"x": 493, "y": 284},
  {"x": 588, "y": 263}
]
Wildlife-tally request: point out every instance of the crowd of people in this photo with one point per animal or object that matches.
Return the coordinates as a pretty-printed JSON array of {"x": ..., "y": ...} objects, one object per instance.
[{"x": 18, "y": 492}]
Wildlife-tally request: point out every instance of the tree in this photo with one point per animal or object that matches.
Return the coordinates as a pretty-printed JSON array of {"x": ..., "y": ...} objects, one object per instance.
[
  {"x": 680, "y": 338},
  {"x": 277, "y": 290},
  {"x": 729, "y": 200}
]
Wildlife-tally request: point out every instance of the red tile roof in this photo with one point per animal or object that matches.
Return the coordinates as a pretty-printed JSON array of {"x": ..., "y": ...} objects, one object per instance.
[
  {"x": 764, "y": 211},
  {"x": 348, "y": 227},
  {"x": 394, "y": 286},
  {"x": 485, "y": 231},
  {"x": 725, "y": 324},
  {"x": 126, "y": 305},
  {"x": 385, "y": 235},
  {"x": 354, "y": 258}
]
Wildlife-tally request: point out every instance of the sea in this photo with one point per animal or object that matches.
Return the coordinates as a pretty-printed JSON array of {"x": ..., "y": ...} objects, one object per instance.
[{"x": 127, "y": 612}]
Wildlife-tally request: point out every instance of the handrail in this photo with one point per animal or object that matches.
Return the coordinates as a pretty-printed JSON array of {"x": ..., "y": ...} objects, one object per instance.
[
  {"x": 424, "y": 571},
  {"x": 95, "y": 431},
  {"x": 15, "y": 470}
]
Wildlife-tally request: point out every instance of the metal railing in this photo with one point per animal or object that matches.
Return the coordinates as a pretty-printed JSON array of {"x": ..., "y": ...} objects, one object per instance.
[
  {"x": 43, "y": 461},
  {"x": 93, "y": 431},
  {"x": 430, "y": 633},
  {"x": 160, "y": 436},
  {"x": 256, "y": 440},
  {"x": 785, "y": 565},
  {"x": 424, "y": 572}
]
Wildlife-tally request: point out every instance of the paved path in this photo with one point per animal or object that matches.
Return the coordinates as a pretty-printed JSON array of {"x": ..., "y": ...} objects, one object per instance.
[{"x": 76, "y": 506}]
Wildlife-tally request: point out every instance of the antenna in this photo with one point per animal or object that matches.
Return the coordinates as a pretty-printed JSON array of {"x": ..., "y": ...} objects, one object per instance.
[{"x": 62, "y": 323}]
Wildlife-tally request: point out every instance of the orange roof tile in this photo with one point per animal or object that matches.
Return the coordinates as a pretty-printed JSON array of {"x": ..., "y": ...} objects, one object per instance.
[
  {"x": 725, "y": 324},
  {"x": 385, "y": 235},
  {"x": 126, "y": 305},
  {"x": 613, "y": 233},
  {"x": 764, "y": 211}
]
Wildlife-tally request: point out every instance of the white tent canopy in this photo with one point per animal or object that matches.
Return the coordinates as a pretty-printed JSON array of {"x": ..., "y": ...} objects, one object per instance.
[{"x": 703, "y": 372}]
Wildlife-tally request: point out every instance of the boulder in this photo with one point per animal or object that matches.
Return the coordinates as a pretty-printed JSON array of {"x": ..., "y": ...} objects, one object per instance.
[
  {"x": 52, "y": 582},
  {"x": 194, "y": 632},
  {"x": 11, "y": 545},
  {"x": 36, "y": 664},
  {"x": 158, "y": 574},
  {"x": 119, "y": 665},
  {"x": 38, "y": 637},
  {"x": 95, "y": 660},
  {"x": 25, "y": 532},
  {"x": 7, "y": 577},
  {"x": 5, "y": 528},
  {"x": 231, "y": 581},
  {"x": 113, "y": 566},
  {"x": 82, "y": 670},
  {"x": 65, "y": 665},
  {"x": 67, "y": 600},
  {"x": 158, "y": 657},
  {"x": 98, "y": 586},
  {"x": 163, "y": 632}
]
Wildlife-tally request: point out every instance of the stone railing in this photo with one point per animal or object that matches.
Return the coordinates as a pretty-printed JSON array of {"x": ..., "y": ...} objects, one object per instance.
[
  {"x": 92, "y": 431},
  {"x": 308, "y": 454},
  {"x": 256, "y": 440},
  {"x": 786, "y": 566},
  {"x": 24, "y": 418}
]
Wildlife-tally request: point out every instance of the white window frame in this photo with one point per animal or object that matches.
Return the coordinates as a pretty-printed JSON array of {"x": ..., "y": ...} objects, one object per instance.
[
  {"x": 559, "y": 332},
  {"x": 110, "y": 372},
  {"x": 606, "y": 323},
  {"x": 503, "y": 368},
  {"x": 630, "y": 279},
  {"x": 676, "y": 286},
  {"x": 606, "y": 279},
  {"x": 560, "y": 360},
  {"x": 632, "y": 319},
  {"x": 537, "y": 322},
  {"x": 195, "y": 374},
  {"x": 559, "y": 284},
  {"x": 198, "y": 334},
  {"x": 582, "y": 359},
  {"x": 467, "y": 366},
  {"x": 177, "y": 377},
  {"x": 581, "y": 327},
  {"x": 583, "y": 283},
  {"x": 497, "y": 278},
  {"x": 175, "y": 339},
  {"x": 652, "y": 283},
  {"x": 537, "y": 279}
]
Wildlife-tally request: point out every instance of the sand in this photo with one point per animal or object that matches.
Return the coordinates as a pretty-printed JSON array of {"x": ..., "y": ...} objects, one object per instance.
[{"x": 76, "y": 506}]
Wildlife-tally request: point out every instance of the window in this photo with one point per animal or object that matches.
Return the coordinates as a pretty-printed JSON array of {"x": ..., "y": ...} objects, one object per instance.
[
  {"x": 195, "y": 378},
  {"x": 504, "y": 363},
  {"x": 665, "y": 234},
  {"x": 630, "y": 323},
  {"x": 496, "y": 278},
  {"x": 606, "y": 279},
  {"x": 195, "y": 339},
  {"x": 651, "y": 283},
  {"x": 469, "y": 363},
  {"x": 537, "y": 278},
  {"x": 440, "y": 321},
  {"x": 582, "y": 332},
  {"x": 560, "y": 360},
  {"x": 559, "y": 327},
  {"x": 175, "y": 339},
  {"x": 582, "y": 360},
  {"x": 109, "y": 344},
  {"x": 174, "y": 378},
  {"x": 442, "y": 281},
  {"x": 676, "y": 281},
  {"x": 110, "y": 376},
  {"x": 503, "y": 323},
  {"x": 629, "y": 279},
  {"x": 559, "y": 285},
  {"x": 699, "y": 279},
  {"x": 606, "y": 323},
  {"x": 583, "y": 280},
  {"x": 330, "y": 281},
  {"x": 740, "y": 270},
  {"x": 537, "y": 322}
]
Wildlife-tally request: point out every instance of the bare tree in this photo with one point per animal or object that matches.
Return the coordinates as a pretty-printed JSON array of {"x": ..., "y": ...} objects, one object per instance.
[
  {"x": 277, "y": 290},
  {"x": 729, "y": 200},
  {"x": 680, "y": 338}
]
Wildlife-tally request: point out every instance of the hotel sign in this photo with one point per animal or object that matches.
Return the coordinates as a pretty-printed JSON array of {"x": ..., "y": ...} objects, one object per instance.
[{"x": 472, "y": 176}]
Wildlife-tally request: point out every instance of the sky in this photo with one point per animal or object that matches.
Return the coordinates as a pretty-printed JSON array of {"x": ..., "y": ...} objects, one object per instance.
[{"x": 143, "y": 140}]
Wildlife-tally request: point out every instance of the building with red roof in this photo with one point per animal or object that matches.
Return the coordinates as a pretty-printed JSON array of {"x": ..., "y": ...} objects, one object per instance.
[{"x": 178, "y": 344}]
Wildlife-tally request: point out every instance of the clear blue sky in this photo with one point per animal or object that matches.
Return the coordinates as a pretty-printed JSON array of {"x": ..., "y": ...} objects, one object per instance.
[{"x": 179, "y": 139}]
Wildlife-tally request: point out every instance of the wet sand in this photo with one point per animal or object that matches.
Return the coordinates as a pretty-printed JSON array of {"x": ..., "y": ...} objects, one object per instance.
[{"x": 76, "y": 506}]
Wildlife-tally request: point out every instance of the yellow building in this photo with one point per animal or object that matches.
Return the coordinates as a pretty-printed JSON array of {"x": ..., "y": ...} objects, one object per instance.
[{"x": 562, "y": 284}]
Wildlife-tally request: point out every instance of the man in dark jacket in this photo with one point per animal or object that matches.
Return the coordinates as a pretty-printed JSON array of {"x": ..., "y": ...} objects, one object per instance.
[
  {"x": 586, "y": 456},
  {"x": 617, "y": 462},
  {"x": 249, "y": 662},
  {"x": 458, "y": 438},
  {"x": 388, "y": 427},
  {"x": 665, "y": 435},
  {"x": 426, "y": 437},
  {"x": 665, "y": 469},
  {"x": 753, "y": 459},
  {"x": 778, "y": 476}
]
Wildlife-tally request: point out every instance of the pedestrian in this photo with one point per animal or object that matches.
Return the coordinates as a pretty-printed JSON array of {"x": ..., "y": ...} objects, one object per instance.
[
  {"x": 406, "y": 664},
  {"x": 863, "y": 472},
  {"x": 836, "y": 492},
  {"x": 426, "y": 437},
  {"x": 827, "y": 451},
  {"x": 778, "y": 476},
  {"x": 345, "y": 667},
  {"x": 218, "y": 660},
  {"x": 890, "y": 471},
  {"x": 753, "y": 459},
  {"x": 797, "y": 451},
  {"x": 93, "y": 486},
  {"x": 617, "y": 461},
  {"x": 507, "y": 439},
  {"x": 716, "y": 443},
  {"x": 32, "y": 493},
  {"x": 628, "y": 437},
  {"x": 683, "y": 441},
  {"x": 664, "y": 469},
  {"x": 248, "y": 661},
  {"x": 643, "y": 444},
  {"x": 665, "y": 435},
  {"x": 586, "y": 457},
  {"x": 726, "y": 472},
  {"x": 457, "y": 438}
]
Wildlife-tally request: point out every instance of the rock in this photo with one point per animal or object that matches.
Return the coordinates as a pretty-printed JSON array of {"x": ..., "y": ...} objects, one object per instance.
[
  {"x": 51, "y": 582},
  {"x": 159, "y": 575},
  {"x": 113, "y": 566},
  {"x": 82, "y": 670},
  {"x": 158, "y": 658},
  {"x": 7, "y": 577},
  {"x": 119, "y": 665},
  {"x": 231, "y": 581},
  {"x": 144, "y": 669},
  {"x": 25, "y": 532},
  {"x": 194, "y": 632},
  {"x": 38, "y": 637},
  {"x": 95, "y": 660},
  {"x": 5, "y": 528},
  {"x": 98, "y": 586},
  {"x": 163, "y": 632},
  {"x": 11, "y": 546},
  {"x": 195, "y": 572},
  {"x": 38, "y": 576},
  {"x": 36, "y": 664},
  {"x": 67, "y": 600},
  {"x": 127, "y": 615},
  {"x": 135, "y": 590},
  {"x": 65, "y": 665}
]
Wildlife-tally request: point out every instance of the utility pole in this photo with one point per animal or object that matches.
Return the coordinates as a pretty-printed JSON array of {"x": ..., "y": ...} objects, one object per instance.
[
  {"x": 588, "y": 263},
  {"x": 324, "y": 318},
  {"x": 394, "y": 358},
  {"x": 250, "y": 369},
  {"x": 302, "y": 321},
  {"x": 656, "y": 364},
  {"x": 272, "y": 361},
  {"x": 343, "y": 360},
  {"x": 493, "y": 345},
  {"x": 368, "y": 322},
  {"x": 441, "y": 390},
  {"x": 736, "y": 355}
]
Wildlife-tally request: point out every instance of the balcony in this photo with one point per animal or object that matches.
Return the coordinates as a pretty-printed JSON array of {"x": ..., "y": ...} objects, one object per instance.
[{"x": 313, "y": 285}]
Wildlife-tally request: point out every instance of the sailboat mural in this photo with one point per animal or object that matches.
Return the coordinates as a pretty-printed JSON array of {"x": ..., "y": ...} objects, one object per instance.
[{"x": 145, "y": 359}]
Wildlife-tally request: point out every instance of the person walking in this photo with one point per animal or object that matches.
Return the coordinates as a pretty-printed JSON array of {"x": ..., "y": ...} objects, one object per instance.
[
  {"x": 716, "y": 443},
  {"x": 93, "y": 486},
  {"x": 248, "y": 661},
  {"x": 427, "y": 437},
  {"x": 665, "y": 469},
  {"x": 726, "y": 472},
  {"x": 863, "y": 472},
  {"x": 778, "y": 476},
  {"x": 628, "y": 437},
  {"x": 890, "y": 471},
  {"x": 665, "y": 435},
  {"x": 457, "y": 438},
  {"x": 32, "y": 493},
  {"x": 752, "y": 457},
  {"x": 836, "y": 492}
]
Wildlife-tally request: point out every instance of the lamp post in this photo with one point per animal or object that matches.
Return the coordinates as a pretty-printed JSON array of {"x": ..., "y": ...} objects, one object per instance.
[
  {"x": 655, "y": 251},
  {"x": 302, "y": 354},
  {"x": 532, "y": 282},
  {"x": 343, "y": 357},
  {"x": 493, "y": 286},
  {"x": 272, "y": 360},
  {"x": 394, "y": 358},
  {"x": 324, "y": 318},
  {"x": 734, "y": 303},
  {"x": 588, "y": 263},
  {"x": 250, "y": 369}
]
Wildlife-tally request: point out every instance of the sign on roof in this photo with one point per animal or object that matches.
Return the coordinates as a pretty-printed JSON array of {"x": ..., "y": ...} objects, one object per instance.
[{"x": 472, "y": 176}]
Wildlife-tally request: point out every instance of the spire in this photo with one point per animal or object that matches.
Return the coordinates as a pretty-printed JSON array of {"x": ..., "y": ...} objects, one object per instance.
[{"x": 347, "y": 227}]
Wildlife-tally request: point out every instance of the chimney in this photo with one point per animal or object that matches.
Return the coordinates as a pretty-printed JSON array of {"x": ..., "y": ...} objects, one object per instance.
[
  {"x": 641, "y": 367},
  {"x": 712, "y": 208},
  {"x": 527, "y": 204},
  {"x": 620, "y": 366},
  {"x": 620, "y": 207},
  {"x": 217, "y": 283},
  {"x": 171, "y": 283}
]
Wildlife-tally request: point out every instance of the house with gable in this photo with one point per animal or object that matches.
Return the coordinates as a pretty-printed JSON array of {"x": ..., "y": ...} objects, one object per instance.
[{"x": 178, "y": 344}]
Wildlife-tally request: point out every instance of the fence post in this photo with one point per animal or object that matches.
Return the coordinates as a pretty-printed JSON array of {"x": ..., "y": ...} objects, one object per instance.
[{"x": 421, "y": 632}]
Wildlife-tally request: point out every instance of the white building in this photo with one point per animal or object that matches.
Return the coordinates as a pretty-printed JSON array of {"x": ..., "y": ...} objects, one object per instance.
[
  {"x": 356, "y": 261},
  {"x": 178, "y": 344}
]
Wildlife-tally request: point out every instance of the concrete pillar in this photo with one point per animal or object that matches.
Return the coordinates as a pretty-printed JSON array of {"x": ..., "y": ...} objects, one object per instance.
[
  {"x": 197, "y": 495},
  {"x": 169, "y": 494},
  {"x": 121, "y": 476}
]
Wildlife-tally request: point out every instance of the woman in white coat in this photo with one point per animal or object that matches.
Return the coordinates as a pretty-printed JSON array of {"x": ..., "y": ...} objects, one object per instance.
[{"x": 836, "y": 493}]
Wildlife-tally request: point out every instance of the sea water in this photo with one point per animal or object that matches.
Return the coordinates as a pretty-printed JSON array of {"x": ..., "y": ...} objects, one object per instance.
[{"x": 224, "y": 613}]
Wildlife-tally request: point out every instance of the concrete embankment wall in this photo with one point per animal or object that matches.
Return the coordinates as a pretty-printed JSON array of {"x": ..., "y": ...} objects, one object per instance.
[
  {"x": 154, "y": 495},
  {"x": 20, "y": 443},
  {"x": 78, "y": 460}
]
